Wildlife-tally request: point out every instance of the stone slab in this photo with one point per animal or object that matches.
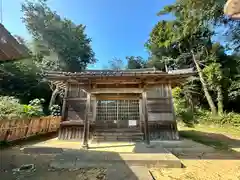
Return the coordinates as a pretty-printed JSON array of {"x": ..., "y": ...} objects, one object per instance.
[{"x": 82, "y": 158}]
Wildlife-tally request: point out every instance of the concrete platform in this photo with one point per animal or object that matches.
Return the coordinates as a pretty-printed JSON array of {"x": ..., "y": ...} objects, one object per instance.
[
  {"x": 65, "y": 159},
  {"x": 140, "y": 155}
]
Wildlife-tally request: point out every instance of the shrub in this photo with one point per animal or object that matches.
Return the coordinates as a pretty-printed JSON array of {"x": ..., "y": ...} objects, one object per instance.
[
  {"x": 34, "y": 108},
  {"x": 231, "y": 118},
  {"x": 10, "y": 108}
]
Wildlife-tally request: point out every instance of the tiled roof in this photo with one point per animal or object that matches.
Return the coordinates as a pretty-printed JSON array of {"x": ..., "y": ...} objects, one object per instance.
[
  {"x": 128, "y": 72},
  {"x": 10, "y": 49}
]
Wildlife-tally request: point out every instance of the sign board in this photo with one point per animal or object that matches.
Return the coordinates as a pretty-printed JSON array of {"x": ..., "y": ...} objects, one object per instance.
[{"x": 132, "y": 123}]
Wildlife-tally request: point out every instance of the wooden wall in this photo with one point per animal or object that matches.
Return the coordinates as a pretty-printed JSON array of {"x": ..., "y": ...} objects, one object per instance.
[
  {"x": 159, "y": 103},
  {"x": 11, "y": 130},
  {"x": 161, "y": 117},
  {"x": 76, "y": 104}
]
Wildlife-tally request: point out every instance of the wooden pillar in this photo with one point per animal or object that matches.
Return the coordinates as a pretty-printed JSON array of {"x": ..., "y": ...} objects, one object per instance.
[
  {"x": 140, "y": 114},
  {"x": 64, "y": 105},
  {"x": 94, "y": 109},
  {"x": 86, "y": 123},
  {"x": 145, "y": 112}
]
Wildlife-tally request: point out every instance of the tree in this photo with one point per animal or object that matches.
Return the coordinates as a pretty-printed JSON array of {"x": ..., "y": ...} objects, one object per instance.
[
  {"x": 116, "y": 64},
  {"x": 135, "y": 62},
  {"x": 180, "y": 45},
  {"x": 214, "y": 78},
  {"x": 187, "y": 40},
  {"x": 58, "y": 44},
  {"x": 67, "y": 41}
]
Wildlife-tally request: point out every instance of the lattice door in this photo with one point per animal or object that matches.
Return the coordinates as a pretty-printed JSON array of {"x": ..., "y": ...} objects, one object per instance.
[{"x": 117, "y": 113}]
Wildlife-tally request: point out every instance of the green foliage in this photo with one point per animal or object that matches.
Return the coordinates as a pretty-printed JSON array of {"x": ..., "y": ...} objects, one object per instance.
[
  {"x": 179, "y": 102},
  {"x": 64, "y": 42},
  {"x": 187, "y": 117},
  {"x": 34, "y": 108},
  {"x": 22, "y": 79},
  {"x": 116, "y": 64},
  {"x": 193, "y": 29},
  {"x": 225, "y": 119},
  {"x": 213, "y": 74},
  {"x": 135, "y": 62},
  {"x": 182, "y": 111},
  {"x": 10, "y": 108}
]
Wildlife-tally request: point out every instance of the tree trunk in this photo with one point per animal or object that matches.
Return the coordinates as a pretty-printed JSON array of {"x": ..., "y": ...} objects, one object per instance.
[
  {"x": 220, "y": 100},
  {"x": 53, "y": 97},
  {"x": 204, "y": 85}
]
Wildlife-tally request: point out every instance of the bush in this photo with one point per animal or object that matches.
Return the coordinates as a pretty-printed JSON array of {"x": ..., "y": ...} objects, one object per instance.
[
  {"x": 187, "y": 117},
  {"x": 10, "y": 108},
  {"x": 231, "y": 118},
  {"x": 34, "y": 108}
]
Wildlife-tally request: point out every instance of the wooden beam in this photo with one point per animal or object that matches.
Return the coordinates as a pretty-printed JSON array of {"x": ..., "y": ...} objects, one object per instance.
[
  {"x": 86, "y": 124},
  {"x": 64, "y": 106},
  {"x": 116, "y": 90},
  {"x": 145, "y": 112}
]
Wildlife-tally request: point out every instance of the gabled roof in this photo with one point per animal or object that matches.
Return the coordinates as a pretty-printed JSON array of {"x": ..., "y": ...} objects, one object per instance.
[
  {"x": 118, "y": 73},
  {"x": 10, "y": 49},
  {"x": 123, "y": 77}
]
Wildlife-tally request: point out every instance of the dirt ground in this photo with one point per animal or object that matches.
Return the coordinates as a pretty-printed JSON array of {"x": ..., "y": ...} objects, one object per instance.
[
  {"x": 201, "y": 163},
  {"x": 215, "y": 165},
  {"x": 208, "y": 167},
  {"x": 14, "y": 158}
]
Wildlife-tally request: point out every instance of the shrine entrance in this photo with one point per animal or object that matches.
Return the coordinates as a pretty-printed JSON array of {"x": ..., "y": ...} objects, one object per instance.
[{"x": 118, "y": 113}]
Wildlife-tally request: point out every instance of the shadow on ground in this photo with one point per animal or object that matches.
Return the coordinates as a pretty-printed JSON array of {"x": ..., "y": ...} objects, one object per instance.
[
  {"x": 229, "y": 148},
  {"x": 70, "y": 164}
]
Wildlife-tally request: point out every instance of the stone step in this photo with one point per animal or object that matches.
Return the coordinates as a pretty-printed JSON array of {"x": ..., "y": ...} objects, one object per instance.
[
  {"x": 86, "y": 159},
  {"x": 118, "y": 130},
  {"x": 116, "y": 138},
  {"x": 118, "y": 134}
]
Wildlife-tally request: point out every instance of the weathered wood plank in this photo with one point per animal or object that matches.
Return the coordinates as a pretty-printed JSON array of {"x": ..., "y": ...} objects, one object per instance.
[
  {"x": 64, "y": 106},
  {"x": 145, "y": 112},
  {"x": 116, "y": 90},
  {"x": 86, "y": 123}
]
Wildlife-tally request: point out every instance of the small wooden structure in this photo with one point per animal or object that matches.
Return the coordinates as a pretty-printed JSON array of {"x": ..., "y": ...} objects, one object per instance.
[
  {"x": 10, "y": 48},
  {"x": 118, "y": 105}
]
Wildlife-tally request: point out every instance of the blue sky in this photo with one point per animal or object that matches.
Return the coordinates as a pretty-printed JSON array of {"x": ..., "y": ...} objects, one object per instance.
[{"x": 118, "y": 28}]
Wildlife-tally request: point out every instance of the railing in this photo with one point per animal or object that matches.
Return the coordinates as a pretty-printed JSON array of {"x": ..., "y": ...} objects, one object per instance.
[{"x": 11, "y": 130}]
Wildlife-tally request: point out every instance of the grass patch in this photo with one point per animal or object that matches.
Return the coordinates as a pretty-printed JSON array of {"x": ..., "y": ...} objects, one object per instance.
[
  {"x": 219, "y": 137},
  {"x": 209, "y": 128},
  {"x": 196, "y": 136}
]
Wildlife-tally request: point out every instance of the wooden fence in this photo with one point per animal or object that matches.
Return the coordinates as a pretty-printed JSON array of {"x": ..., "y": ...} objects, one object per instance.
[{"x": 11, "y": 130}]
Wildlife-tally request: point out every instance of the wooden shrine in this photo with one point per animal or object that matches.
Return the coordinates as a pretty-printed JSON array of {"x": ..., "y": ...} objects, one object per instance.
[{"x": 103, "y": 105}]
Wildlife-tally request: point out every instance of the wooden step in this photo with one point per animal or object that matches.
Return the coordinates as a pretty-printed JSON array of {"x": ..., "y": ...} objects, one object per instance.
[
  {"x": 118, "y": 130},
  {"x": 118, "y": 134},
  {"x": 112, "y": 135}
]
